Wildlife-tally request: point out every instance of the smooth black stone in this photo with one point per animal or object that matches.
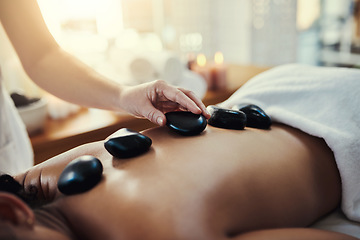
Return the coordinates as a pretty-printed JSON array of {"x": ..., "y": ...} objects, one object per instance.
[
  {"x": 129, "y": 144},
  {"x": 80, "y": 175},
  {"x": 186, "y": 123},
  {"x": 256, "y": 117},
  {"x": 226, "y": 118}
]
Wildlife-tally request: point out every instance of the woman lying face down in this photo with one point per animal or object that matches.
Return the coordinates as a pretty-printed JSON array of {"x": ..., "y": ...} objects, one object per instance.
[{"x": 221, "y": 184}]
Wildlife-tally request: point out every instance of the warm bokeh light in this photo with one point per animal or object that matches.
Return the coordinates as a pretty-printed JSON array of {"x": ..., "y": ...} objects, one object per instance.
[
  {"x": 201, "y": 60},
  {"x": 307, "y": 13},
  {"x": 219, "y": 58}
]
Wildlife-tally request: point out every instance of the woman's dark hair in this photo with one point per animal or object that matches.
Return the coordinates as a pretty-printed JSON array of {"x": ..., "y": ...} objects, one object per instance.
[{"x": 10, "y": 185}]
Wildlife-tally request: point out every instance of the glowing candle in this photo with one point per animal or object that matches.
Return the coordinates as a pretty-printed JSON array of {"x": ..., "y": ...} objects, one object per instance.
[
  {"x": 218, "y": 72},
  {"x": 201, "y": 60},
  {"x": 201, "y": 68}
]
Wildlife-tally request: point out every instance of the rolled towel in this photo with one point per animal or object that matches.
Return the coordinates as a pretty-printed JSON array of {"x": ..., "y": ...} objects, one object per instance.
[
  {"x": 144, "y": 67},
  {"x": 194, "y": 82},
  {"x": 142, "y": 70},
  {"x": 134, "y": 67},
  {"x": 167, "y": 66},
  {"x": 149, "y": 66}
]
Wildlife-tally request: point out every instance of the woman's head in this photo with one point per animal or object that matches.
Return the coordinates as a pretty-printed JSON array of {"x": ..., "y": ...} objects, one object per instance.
[
  {"x": 15, "y": 216},
  {"x": 17, "y": 219},
  {"x": 9, "y": 185},
  {"x": 14, "y": 211}
]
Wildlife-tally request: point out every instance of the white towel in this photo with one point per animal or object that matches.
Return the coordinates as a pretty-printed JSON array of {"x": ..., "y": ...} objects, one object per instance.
[
  {"x": 142, "y": 70},
  {"x": 137, "y": 68},
  {"x": 321, "y": 101},
  {"x": 167, "y": 65},
  {"x": 144, "y": 67}
]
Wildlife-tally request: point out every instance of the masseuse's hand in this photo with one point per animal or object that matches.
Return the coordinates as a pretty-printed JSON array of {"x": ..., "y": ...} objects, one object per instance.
[{"x": 152, "y": 100}]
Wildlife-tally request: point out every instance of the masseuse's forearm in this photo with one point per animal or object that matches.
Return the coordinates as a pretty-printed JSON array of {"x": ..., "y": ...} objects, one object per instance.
[
  {"x": 68, "y": 78},
  {"x": 48, "y": 65}
]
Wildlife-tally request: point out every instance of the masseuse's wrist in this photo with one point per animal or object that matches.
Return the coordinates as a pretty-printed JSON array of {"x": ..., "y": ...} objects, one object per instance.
[
  {"x": 124, "y": 100},
  {"x": 118, "y": 100}
]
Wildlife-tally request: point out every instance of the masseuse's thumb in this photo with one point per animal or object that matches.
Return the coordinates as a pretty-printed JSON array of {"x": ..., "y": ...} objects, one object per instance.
[{"x": 155, "y": 116}]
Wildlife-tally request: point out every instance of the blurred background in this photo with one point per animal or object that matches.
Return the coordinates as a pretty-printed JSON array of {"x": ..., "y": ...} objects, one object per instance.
[
  {"x": 106, "y": 34},
  {"x": 211, "y": 47}
]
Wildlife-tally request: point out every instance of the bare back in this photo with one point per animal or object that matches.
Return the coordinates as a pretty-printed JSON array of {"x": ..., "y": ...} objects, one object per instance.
[{"x": 218, "y": 184}]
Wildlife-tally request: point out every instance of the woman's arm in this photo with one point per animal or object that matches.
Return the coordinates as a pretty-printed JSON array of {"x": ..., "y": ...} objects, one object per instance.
[
  {"x": 293, "y": 234},
  {"x": 43, "y": 177},
  {"x": 63, "y": 75}
]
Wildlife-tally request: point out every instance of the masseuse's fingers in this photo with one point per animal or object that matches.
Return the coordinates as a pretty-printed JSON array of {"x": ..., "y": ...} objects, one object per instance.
[
  {"x": 152, "y": 100},
  {"x": 187, "y": 99}
]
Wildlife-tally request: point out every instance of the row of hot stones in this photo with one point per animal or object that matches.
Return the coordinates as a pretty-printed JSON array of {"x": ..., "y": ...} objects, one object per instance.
[{"x": 85, "y": 172}]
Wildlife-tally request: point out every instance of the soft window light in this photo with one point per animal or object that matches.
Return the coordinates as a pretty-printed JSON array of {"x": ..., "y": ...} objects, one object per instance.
[
  {"x": 106, "y": 14},
  {"x": 109, "y": 19}
]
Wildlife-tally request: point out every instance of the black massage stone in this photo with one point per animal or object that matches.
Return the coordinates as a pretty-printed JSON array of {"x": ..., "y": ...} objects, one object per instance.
[
  {"x": 256, "y": 117},
  {"x": 128, "y": 144},
  {"x": 80, "y": 175},
  {"x": 226, "y": 118},
  {"x": 186, "y": 123}
]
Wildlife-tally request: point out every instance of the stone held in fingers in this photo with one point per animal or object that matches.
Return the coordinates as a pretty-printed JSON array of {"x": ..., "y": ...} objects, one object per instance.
[
  {"x": 256, "y": 117},
  {"x": 127, "y": 144},
  {"x": 80, "y": 175},
  {"x": 226, "y": 118},
  {"x": 186, "y": 123}
]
